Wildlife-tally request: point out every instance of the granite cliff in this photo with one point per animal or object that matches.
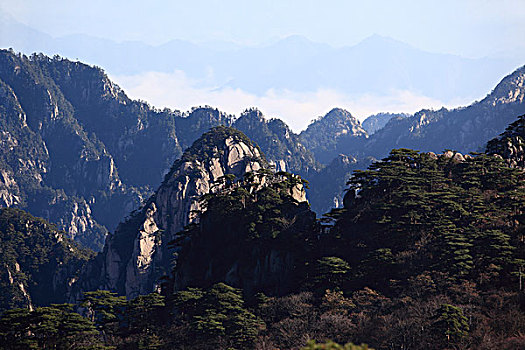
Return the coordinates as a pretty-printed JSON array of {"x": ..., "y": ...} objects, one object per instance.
[{"x": 136, "y": 256}]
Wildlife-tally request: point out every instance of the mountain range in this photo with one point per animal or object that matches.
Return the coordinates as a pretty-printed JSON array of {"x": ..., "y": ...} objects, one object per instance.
[
  {"x": 80, "y": 153},
  {"x": 207, "y": 231},
  {"x": 254, "y": 268}
]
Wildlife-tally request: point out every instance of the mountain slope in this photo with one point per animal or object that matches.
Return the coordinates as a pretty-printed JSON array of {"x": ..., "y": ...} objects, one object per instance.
[
  {"x": 38, "y": 262},
  {"x": 78, "y": 152},
  {"x": 465, "y": 129},
  {"x": 377, "y": 121},
  {"x": 280, "y": 145}
]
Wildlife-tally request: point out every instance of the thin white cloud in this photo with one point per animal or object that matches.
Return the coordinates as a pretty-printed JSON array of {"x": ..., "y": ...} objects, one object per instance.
[{"x": 177, "y": 91}]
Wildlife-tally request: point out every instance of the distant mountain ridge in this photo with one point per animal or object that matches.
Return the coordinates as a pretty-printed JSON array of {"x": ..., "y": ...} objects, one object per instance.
[
  {"x": 379, "y": 120},
  {"x": 465, "y": 129},
  {"x": 293, "y": 63}
]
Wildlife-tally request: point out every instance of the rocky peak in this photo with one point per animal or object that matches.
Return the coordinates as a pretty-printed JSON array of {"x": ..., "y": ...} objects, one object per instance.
[
  {"x": 332, "y": 134},
  {"x": 137, "y": 254},
  {"x": 281, "y": 145},
  {"x": 510, "y": 90},
  {"x": 340, "y": 121},
  {"x": 378, "y": 121},
  {"x": 253, "y": 113}
]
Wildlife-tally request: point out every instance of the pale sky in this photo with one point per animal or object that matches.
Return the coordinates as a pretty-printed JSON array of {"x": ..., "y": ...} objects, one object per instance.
[{"x": 466, "y": 27}]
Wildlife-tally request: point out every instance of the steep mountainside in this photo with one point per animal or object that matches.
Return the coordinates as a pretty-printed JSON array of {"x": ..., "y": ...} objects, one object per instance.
[
  {"x": 78, "y": 152},
  {"x": 137, "y": 254},
  {"x": 426, "y": 253},
  {"x": 255, "y": 234},
  {"x": 329, "y": 135},
  {"x": 38, "y": 263},
  {"x": 55, "y": 168}
]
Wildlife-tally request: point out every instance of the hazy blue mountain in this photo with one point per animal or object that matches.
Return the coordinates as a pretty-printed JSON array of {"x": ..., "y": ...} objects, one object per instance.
[
  {"x": 377, "y": 65},
  {"x": 465, "y": 129}
]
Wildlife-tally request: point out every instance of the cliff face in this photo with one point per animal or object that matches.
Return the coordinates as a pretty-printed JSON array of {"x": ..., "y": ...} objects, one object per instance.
[
  {"x": 137, "y": 254},
  {"x": 51, "y": 162}
]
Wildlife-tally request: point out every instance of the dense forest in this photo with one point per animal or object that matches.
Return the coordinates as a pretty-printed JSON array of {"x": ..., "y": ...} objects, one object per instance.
[{"x": 428, "y": 252}]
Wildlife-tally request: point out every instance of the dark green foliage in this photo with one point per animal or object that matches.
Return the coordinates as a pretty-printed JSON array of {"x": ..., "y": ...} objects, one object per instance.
[
  {"x": 450, "y": 323},
  {"x": 217, "y": 316},
  {"x": 145, "y": 313},
  {"x": 38, "y": 261},
  {"x": 330, "y": 273},
  {"x": 510, "y": 144},
  {"x": 53, "y": 327},
  {"x": 432, "y": 214},
  {"x": 104, "y": 309}
]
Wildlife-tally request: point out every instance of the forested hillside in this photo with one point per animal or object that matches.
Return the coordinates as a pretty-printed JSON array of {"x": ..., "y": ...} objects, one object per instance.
[
  {"x": 427, "y": 252},
  {"x": 38, "y": 263}
]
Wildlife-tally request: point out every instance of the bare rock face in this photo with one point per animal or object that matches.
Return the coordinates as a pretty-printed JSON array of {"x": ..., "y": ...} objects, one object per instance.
[
  {"x": 137, "y": 254},
  {"x": 9, "y": 191}
]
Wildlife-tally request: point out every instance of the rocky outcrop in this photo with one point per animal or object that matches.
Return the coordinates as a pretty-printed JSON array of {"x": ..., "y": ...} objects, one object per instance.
[
  {"x": 282, "y": 147},
  {"x": 50, "y": 163},
  {"x": 378, "y": 121},
  {"x": 76, "y": 150},
  {"x": 137, "y": 254}
]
